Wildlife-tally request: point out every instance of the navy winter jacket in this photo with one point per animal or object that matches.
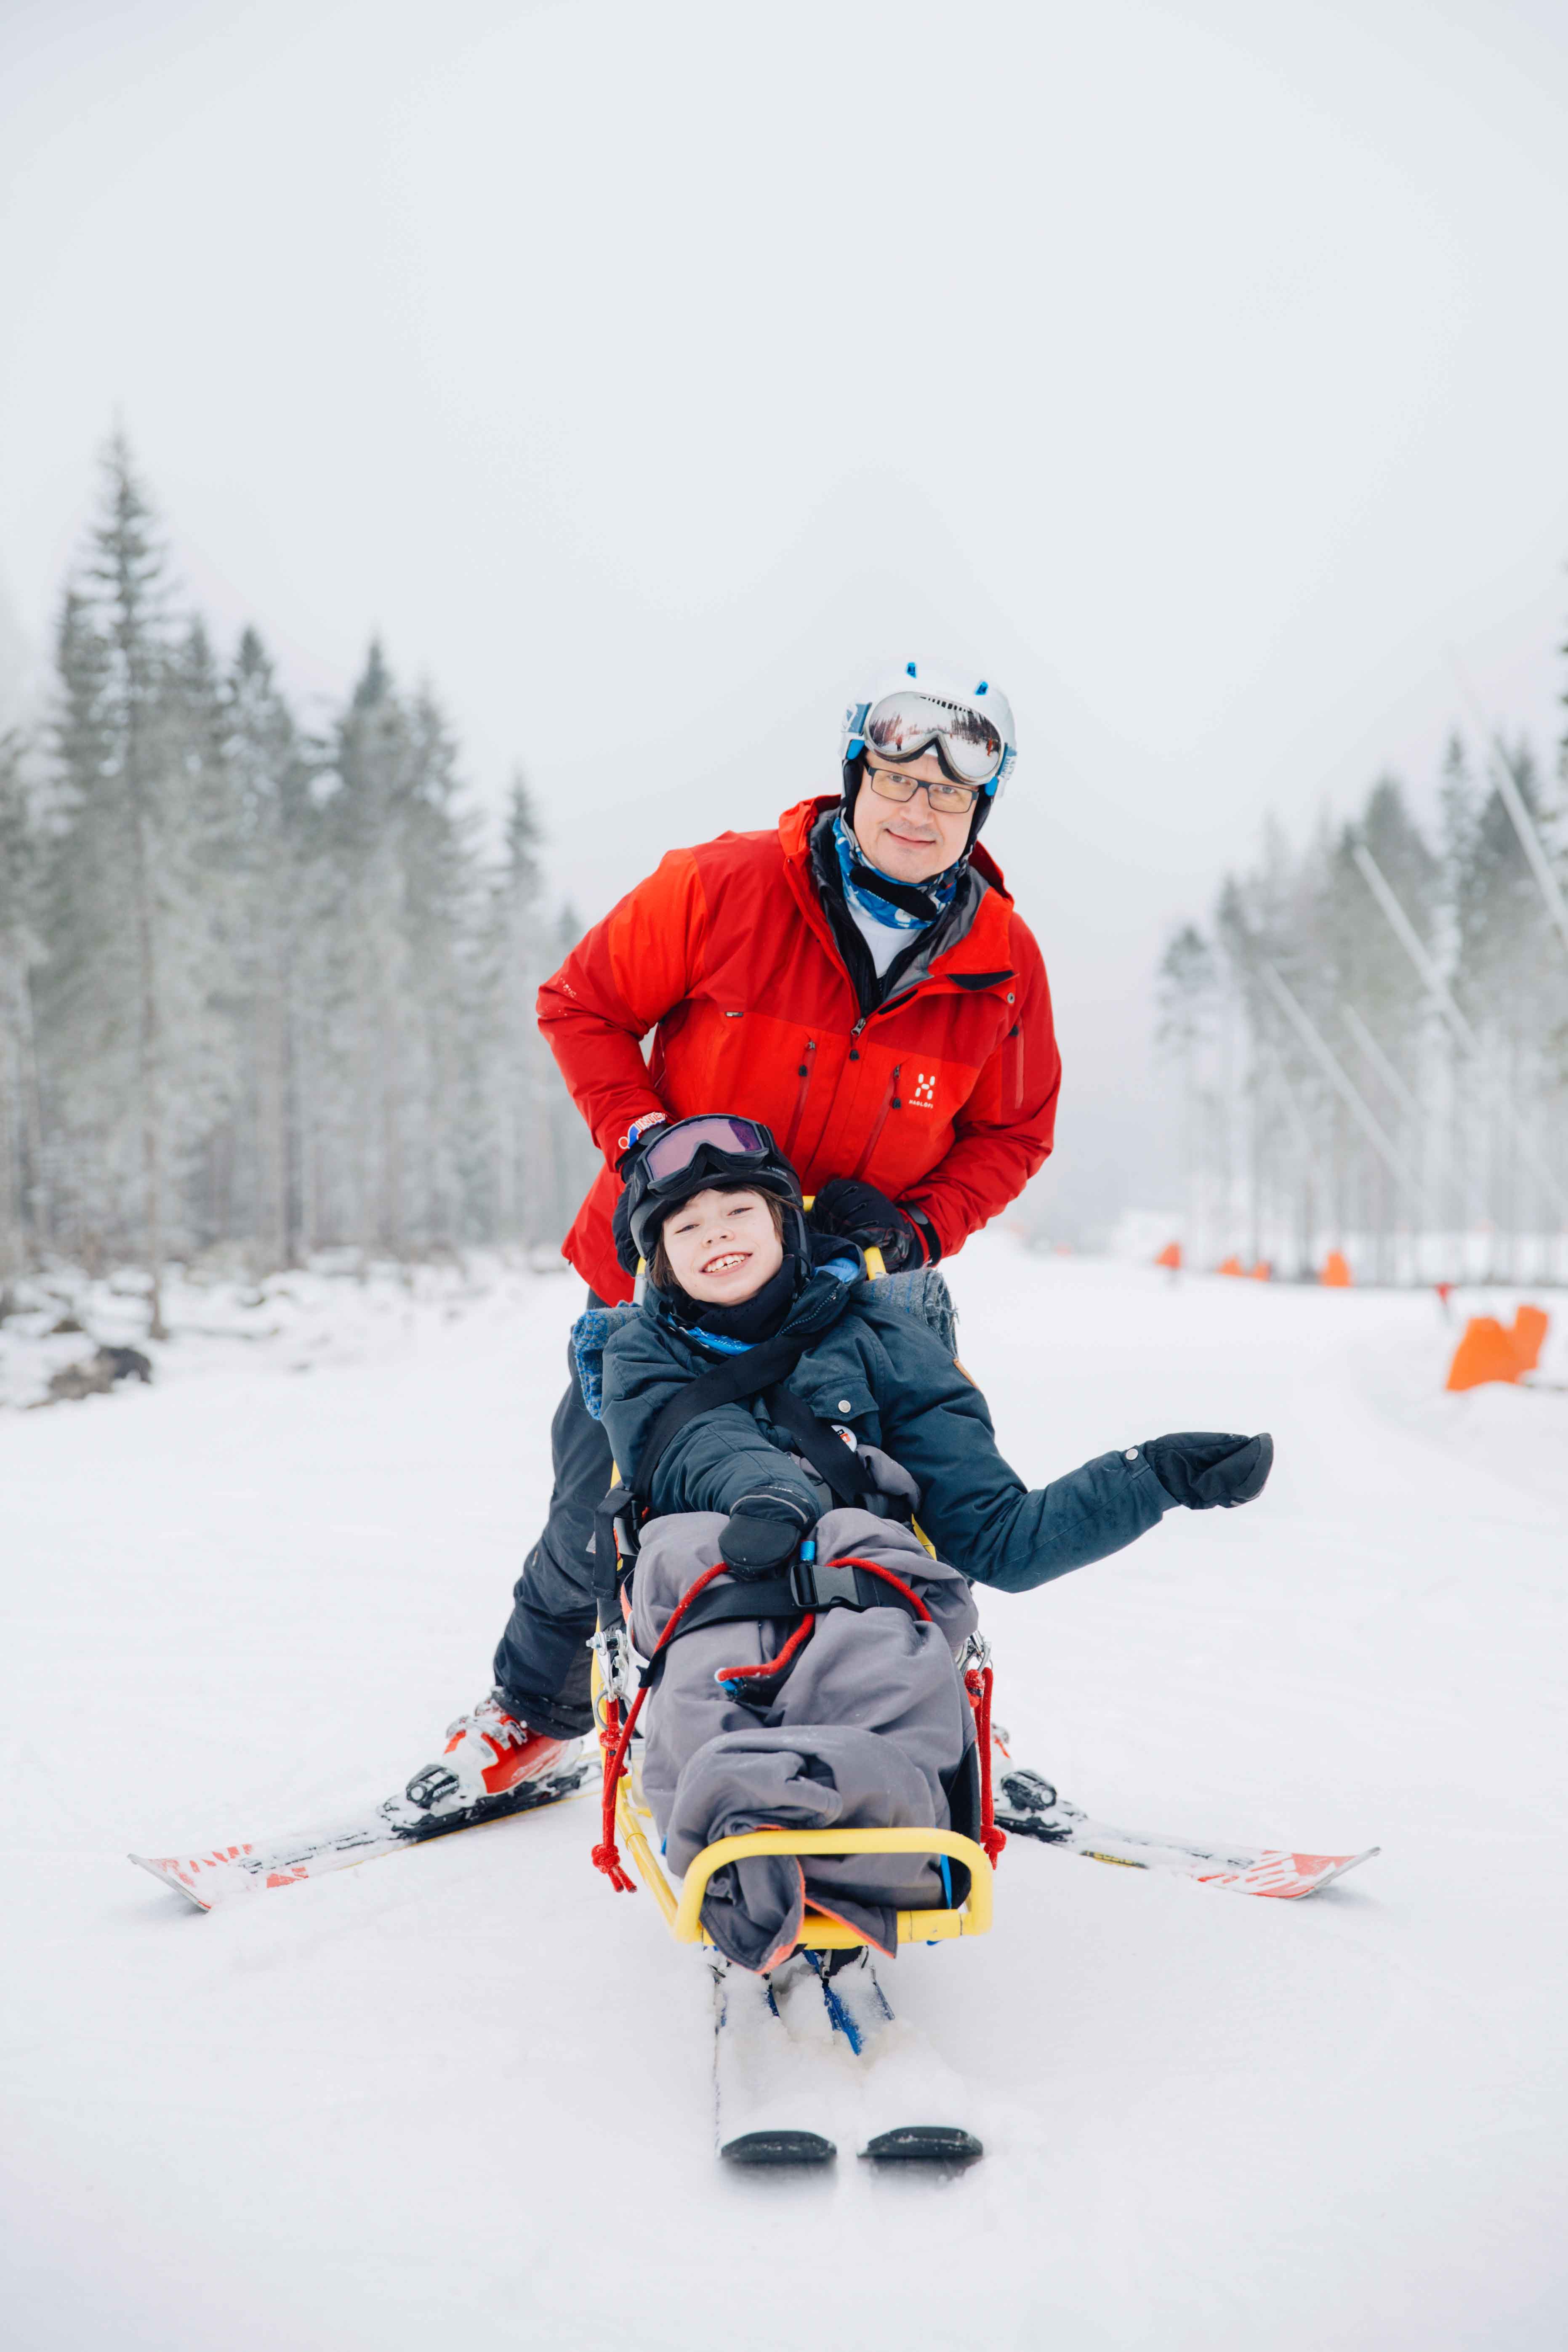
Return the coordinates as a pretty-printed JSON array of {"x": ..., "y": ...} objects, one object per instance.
[{"x": 878, "y": 1370}]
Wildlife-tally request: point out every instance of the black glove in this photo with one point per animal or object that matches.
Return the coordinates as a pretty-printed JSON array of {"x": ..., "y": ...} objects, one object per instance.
[
  {"x": 764, "y": 1532},
  {"x": 854, "y": 1212},
  {"x": 1203, "y": 1468}
]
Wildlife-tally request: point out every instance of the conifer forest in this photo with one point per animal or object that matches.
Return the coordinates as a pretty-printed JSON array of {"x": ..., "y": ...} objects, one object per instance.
[
  {"x": 259, "y": 986},
  {"x": 1371, "y": 1039},
  {"x": 264, "y": 988}
]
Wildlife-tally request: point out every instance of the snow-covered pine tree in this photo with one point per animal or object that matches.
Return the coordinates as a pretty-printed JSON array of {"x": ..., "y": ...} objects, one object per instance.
[
  {"x": 513, "y": 1075},
  {"x": 1381, "y": 1020},
  {"x": 122, "y": 897},
  {"x": 441, "y": 896},
  {"x": 278, "y": 965},
  {"x": 358, "y": 1110},
  {"x": 573, "y": 1155},
  {"x": 207, "y": 1155},
  {"x": 19, "y": 952},
  {"x": 1512, "y": 983},
  {"x": 1187, "y": 996}
]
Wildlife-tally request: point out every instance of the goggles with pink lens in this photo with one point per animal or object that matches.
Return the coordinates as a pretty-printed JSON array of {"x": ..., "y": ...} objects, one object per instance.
[
  {"x": 904, "y": 725},
  {"x": 675, "y": 1147}
]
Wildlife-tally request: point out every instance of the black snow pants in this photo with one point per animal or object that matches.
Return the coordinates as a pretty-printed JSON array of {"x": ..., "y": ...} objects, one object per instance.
[{"x": 542, "y": 1666}]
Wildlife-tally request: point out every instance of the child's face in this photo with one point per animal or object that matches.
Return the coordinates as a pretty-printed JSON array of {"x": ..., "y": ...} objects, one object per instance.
[{"x": 722, "y": 1247}]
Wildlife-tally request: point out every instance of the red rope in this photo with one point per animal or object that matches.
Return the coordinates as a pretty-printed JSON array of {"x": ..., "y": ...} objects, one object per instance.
[
  {"x": 977, "y": 1683},
  {"x": 615, "y": 1739},
  {"x": 769, "y": 1666},
  {"x": 853, "y": 1559}
]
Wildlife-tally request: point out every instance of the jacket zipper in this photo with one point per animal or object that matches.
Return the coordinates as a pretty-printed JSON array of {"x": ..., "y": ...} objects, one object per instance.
[
  {"x": 1016, "y": 1058},
  {"x": 808, "y": 1065},
  {"x": 889, "y": 1102}
]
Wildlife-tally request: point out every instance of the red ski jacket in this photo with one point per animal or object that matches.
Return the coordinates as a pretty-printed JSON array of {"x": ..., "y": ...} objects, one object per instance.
[{"x": 944, "y": 1097}]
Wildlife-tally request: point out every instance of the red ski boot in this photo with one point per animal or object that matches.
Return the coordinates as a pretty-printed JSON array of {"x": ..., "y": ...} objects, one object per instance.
[{"x": 490, "y": 1755}]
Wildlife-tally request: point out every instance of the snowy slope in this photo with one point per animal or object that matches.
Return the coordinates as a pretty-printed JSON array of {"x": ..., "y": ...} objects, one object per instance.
[{"x": 406, "y": 2102}]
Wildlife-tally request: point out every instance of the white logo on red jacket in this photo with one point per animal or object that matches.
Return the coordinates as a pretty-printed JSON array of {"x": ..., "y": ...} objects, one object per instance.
[{"x": 924, "y": 1095}]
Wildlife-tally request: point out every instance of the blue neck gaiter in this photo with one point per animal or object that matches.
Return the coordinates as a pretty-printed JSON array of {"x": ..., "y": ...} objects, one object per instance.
[{"x": 939, "y": 891}]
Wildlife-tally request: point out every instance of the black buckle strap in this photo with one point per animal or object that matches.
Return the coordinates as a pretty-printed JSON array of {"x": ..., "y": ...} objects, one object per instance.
[
  {"x": 807, "y": 1587},
  {"x": 833, "y": 1584},
  {"x": 842, "y": 1472},
  {"x": 733, "y": 1381},
  {"x": 614, "y": 1539}
]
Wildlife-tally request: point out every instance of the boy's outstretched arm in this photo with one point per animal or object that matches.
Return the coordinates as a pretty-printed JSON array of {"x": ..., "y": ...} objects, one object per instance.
[{"x": 976, "y": 1509}]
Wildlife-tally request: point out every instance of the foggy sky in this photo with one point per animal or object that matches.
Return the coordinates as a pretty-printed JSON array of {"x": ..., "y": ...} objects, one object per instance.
[{"x": 642, "y": 373}]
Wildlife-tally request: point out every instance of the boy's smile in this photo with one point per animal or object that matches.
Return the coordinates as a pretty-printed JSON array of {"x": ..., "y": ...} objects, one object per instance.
[{"x": 722, "y": 1246}]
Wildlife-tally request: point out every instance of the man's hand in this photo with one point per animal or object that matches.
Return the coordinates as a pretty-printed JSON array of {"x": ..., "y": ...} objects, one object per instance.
[
  {"x": 1207, "y": 1469},
  {"x": 762, "y": 1533},
  {"x": 853, "y": 1212},
  {"x": 633, "y": 1145}
]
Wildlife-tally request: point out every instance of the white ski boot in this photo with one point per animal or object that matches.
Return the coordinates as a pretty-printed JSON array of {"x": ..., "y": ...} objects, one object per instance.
[{"x": 490, "y": 1754}]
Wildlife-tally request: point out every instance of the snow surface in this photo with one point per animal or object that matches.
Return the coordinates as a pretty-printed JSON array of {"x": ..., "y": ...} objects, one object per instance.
[{"x": 468, "y": 2088}]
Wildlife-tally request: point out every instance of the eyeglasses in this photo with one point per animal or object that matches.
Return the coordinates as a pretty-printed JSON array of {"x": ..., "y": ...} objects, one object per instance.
[
  {"x": 903, "y": 725},
  {"x": 947, "y": 800}
]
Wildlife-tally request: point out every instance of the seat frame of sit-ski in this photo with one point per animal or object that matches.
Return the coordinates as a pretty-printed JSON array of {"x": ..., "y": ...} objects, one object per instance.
[{"x": 682, "y": 1910}]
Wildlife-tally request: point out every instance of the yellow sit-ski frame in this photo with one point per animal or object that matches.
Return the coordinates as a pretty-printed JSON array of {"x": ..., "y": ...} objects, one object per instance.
[{"x": 683, "y": 1912}]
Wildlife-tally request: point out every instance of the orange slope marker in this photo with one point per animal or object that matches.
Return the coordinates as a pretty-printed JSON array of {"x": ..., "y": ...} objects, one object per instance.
[
  {"x": 1232, "y": 1266},
  {"x": 1336, "y": 1274},
  {"x": 1487, "y": 1353},
  {"x": 1531, "y": 1324},
  {"x": 1171, "y": 1255}
]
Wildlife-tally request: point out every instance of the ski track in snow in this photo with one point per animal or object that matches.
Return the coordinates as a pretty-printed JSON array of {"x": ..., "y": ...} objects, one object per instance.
[{"x": 468, "y": 2088}]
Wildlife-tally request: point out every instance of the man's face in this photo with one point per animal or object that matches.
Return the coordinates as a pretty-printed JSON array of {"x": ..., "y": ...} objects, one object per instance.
[{"x": 907, "y": 839}]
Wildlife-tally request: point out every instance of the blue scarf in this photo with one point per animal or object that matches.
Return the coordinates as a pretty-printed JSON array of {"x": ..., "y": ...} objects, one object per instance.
[
  {"x": 940, "y": 890},
  {"x": 844, "y": 1269}
]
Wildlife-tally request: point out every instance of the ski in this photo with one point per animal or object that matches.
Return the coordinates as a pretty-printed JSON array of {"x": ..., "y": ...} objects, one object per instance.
[
  {"x": 899, "y": 2075},
  {"x": 1032, "y": 1808},
  {"x": 227, "y": 1873},
  {"x": 768, "y": 2086}
]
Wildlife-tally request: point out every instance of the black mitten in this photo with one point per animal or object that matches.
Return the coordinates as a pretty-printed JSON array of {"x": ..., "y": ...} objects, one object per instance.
[
  {"x": 854, "y": 1212},
  {"x": 1204, "y": 1469},
  {"x": 762, "y": 1534}
]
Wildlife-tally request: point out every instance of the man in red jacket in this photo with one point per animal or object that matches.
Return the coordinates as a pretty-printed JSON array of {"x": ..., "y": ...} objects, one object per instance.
[{"x": 859, "y": 981}]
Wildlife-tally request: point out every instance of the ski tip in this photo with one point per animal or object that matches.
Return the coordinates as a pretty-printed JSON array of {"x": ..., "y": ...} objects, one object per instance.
[
  {"x": 925, "y": 2144},
  {"x": 779, "y": 2148},
  {"x": 1288, "y": 1876},
  {"x": 170, "y": 1872}
]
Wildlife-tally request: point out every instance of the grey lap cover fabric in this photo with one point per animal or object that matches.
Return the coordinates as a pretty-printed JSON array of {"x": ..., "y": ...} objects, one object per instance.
[{"x": 870, "y": 1718}]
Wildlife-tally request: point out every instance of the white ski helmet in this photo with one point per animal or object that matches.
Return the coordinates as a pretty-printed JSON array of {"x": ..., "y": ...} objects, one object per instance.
[{"x": 921, "y": 708}]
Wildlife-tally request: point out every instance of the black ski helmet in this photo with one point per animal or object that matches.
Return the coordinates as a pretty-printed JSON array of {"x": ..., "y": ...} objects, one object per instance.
[{"x": 715, "y": 1150}]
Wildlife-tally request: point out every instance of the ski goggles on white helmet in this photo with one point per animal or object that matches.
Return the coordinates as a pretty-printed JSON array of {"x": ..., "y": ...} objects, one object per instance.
[
  {"x": 904, "y": 725},
  {"x": 971, "y": 733}
]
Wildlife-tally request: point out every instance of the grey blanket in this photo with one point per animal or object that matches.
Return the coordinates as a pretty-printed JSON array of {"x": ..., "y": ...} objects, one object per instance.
[{"x": 867, "y": 1731}]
